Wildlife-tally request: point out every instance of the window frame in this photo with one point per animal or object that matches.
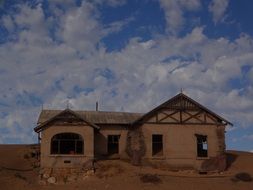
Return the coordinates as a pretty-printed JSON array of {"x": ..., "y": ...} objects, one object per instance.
[
  {"x": 201, "y": 142},
  {"x": 113, "y": 142},
  {"x": 57, "y": 144},
  {"x": 156, "y": 142}
]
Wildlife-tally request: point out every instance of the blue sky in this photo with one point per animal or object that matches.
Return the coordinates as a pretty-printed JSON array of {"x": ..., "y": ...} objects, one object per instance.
[{"x": 128, "y": 55}]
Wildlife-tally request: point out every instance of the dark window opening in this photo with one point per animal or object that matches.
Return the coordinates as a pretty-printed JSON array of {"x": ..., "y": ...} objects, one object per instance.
[
  {"x": 157, "y": 145},
  {"x": 113, "y": 144},
  {"x": 67, "y": 143},
  {"x": 202, "y": 146}
]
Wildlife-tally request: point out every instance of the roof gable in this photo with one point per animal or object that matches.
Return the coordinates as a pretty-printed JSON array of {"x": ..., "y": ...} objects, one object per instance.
[
  {"x": 182, "y": 109},
  {"x": 66, "y": 115}
]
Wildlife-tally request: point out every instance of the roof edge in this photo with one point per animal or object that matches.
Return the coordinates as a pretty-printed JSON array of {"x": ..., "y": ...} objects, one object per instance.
[
  {"x": 190, "y": 99},
  {"x": 40, "y": 127}
]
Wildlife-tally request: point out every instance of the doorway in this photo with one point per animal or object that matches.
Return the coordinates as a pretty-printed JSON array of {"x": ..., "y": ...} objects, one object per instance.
[{"x": 113, "y": 144}]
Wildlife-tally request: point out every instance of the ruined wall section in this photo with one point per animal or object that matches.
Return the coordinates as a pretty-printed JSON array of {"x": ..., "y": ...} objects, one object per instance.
[
  {"x": 220, "y": 131},
  {"x": 135, "y": 145}
]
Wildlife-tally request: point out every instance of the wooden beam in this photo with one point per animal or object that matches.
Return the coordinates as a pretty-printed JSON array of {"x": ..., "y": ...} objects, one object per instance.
[
  {"x": 214, "y": 120},
  {"x": 169, "y": 116},
  {"x": 193, "y": 116},
  {"x": 178, "y": 108}
]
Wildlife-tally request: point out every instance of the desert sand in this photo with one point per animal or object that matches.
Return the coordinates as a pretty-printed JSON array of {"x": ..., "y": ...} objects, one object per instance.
[{"x": 18, "y": 170}]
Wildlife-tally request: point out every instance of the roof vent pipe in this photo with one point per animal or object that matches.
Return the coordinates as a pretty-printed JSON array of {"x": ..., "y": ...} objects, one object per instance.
[{"x": 96, "y": 106}]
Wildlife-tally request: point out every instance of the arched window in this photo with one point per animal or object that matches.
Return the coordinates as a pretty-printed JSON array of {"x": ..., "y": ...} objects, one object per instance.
[{"x": 67, "y": 143}]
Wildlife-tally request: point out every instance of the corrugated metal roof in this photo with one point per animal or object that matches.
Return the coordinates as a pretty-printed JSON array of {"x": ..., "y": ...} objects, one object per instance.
[{"x": 96, "y": 117}]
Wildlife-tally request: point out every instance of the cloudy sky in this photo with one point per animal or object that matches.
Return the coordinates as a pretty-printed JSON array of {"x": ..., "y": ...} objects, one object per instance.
[{"x": 128, "y": 55}]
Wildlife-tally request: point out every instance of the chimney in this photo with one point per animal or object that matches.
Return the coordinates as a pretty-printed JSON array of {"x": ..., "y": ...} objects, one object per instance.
[{"x": 96, "y": 106}]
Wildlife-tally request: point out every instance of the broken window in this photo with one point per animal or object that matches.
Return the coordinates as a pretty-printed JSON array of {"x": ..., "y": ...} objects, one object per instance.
[
  {"x": 113, "y": 144},
  {"x": 67, "y": 143},
  {"x": 157, "y": 145},
  {"x": 202, "y": 145}
]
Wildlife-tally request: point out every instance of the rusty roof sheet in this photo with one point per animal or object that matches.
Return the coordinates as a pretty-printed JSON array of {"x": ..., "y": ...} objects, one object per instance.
[{"x": 96, "y": 117}]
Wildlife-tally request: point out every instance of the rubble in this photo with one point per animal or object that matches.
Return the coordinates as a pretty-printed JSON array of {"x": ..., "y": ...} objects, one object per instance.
[
  {"x": 51, "y": 180},
  {"x": 63, "y": 175}
]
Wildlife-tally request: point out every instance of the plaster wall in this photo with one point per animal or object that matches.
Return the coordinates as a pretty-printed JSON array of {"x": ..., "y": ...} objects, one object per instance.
[
  {"x": 180, "y": 143},
  {"x": 66, "y": 161},
  {"x": 101, "y": 139}
]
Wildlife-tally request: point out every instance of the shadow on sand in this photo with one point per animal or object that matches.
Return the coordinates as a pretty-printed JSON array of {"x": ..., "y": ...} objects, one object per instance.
[{"x": 242, "y": 176}]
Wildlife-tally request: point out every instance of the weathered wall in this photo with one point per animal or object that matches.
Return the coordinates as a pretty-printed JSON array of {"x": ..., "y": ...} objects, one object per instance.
[
  {"x": 57, "y": 161},
  {"x": 101, "y": 139},
  {"x": 179, "y": 143}
]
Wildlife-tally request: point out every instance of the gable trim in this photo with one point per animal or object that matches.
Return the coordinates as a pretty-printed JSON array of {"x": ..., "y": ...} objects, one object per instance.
[
  {"x": 180, "y": 95},
  {"x": 43, "y": 125}
]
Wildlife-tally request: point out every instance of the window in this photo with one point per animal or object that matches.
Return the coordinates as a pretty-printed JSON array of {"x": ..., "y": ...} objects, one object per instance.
[
  {"x": 202, "y": 146},
  {"x": 157, "y": 145},
  {"x": 67, "y": 143},
  {"x": 113, "y": 144}
]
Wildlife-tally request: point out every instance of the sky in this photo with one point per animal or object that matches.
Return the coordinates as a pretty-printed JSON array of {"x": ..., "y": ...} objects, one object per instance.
[{"x": 127, "y": 55}]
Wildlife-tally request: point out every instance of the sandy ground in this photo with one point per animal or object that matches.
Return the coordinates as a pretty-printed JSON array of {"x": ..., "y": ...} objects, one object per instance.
[{"x": 17, "y": 171}]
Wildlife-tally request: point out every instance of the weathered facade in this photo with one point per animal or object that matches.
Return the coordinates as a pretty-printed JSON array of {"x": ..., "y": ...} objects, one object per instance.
[{"x": 180, "y": 132}]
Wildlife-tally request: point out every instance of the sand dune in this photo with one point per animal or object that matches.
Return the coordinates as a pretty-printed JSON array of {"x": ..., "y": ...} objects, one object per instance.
[{"x": 18, "y": 170}]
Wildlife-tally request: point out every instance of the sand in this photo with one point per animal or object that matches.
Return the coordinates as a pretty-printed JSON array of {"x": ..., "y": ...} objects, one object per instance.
[{"x": 18, "y": 171}]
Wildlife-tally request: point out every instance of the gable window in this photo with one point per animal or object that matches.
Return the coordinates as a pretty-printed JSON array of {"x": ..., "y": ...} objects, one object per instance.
[
  {"x": 157, "y": 145},
  {"x": 202, "y": 147},
  {"x": 67, "y": 143}
]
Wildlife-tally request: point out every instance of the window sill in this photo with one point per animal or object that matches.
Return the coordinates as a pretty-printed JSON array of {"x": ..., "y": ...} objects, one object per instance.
[
  {"x": 66, "y": 155},
  {"x": 202, "y": 158},
  {"x": 158, "y": 158}
]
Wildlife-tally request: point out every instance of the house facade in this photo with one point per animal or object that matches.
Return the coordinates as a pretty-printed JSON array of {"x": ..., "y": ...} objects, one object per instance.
[{"x": 180, "y": 132}]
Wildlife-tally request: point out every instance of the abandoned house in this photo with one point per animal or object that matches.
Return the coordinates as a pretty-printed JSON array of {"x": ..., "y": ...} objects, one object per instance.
[{"x": 180, "y": 132}]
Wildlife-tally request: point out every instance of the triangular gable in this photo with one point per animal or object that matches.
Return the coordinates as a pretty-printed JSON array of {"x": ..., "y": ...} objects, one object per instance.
[
  {"x": 182, "y": 110},
  {"x": 65, "y": 114}
]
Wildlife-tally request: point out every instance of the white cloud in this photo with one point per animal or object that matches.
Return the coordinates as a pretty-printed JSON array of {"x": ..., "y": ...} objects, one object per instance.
[
  {"x": 112, "y": 3},
  {"x": 137, "y": 78},
  {"x": 116, "y": 26},
  {"x": 80, "y": 29},
  {"x": 66, "y": 2},
  {"x": 33, "y": 19},
  {"x": 248, "y": 137},
  {"x": 218, "y": 9},
  {"x": 115, "y": 3},
  {"x": 190, "y": 4},
  {"x": 8, "y": 22},
  {"x": 174, "y": 12}
]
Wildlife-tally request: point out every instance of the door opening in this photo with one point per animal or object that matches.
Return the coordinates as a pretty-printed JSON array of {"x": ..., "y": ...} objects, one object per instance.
[{"x": 113, "y": 144}]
